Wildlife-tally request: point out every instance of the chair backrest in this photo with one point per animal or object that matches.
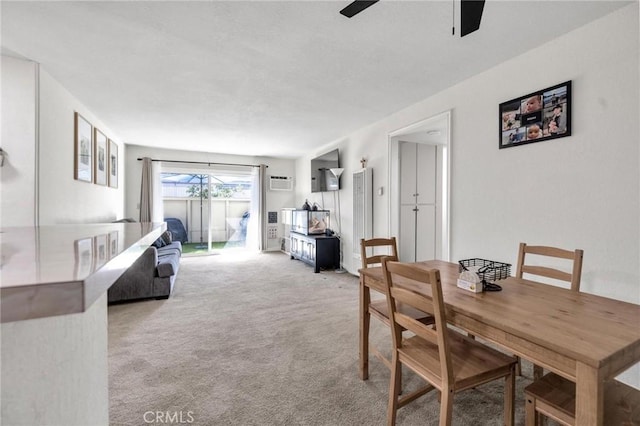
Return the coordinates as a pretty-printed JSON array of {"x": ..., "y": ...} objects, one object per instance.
[
  {"x": 394, "y": 271},
  {"x": 367, "y": 249},
  {"x": 575, "y": 256}
]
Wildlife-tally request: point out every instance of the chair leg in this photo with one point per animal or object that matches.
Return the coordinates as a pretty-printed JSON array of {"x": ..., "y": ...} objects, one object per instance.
[
  {"x": 509, "y": 397},
  {"x": 399, "y": 378},
  {"x": 365, "y": 319},
  {"x": 538, "y": 372},
  {"x": 394, "y": 388},
  {"x": 446, "y": 407},
  {"x": 519, "y": 367},
  {"x": 531, "y": 416}
]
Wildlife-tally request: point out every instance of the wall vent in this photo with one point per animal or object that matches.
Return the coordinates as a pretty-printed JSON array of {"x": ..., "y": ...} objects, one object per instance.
[
  {"x": 280, "y": 183},
  {"x": 362, "y": 209}
]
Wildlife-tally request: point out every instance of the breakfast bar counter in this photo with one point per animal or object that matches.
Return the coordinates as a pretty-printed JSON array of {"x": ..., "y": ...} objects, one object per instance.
[{"x": 63, "y": 269}]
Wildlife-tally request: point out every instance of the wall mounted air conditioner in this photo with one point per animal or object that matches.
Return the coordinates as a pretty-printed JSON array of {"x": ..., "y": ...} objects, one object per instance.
[{"x": 280, "y": 183}]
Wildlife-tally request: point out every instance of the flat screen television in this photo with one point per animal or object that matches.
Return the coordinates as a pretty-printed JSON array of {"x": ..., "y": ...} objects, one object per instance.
[{"x": 321, "y": 177}]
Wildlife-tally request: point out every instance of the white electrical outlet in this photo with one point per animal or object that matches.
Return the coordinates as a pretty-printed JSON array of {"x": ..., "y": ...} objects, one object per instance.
[{"x": 272, "y": 232}]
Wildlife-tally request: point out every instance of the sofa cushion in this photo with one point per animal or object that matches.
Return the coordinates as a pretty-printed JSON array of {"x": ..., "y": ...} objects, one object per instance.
[
  {"x": 163, "y": 240},
  {"x": 167, "y": 237},
  {"x": 159, "y": 243},
  {"x": 174, "y": 247},
  {"x": 167, "y": 264}
]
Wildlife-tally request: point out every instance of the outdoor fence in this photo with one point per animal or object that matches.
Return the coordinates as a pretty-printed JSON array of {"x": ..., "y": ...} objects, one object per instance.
[{"x": 224, "y": 220}]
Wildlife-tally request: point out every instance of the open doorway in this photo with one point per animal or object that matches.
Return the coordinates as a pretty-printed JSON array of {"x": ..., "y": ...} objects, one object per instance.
[
  {"x": 419, "y": 183},
  {"x": 210, "y": 210}
]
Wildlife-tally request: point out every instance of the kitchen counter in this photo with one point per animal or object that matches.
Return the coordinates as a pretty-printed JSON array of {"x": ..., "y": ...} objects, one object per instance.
[{"x": 63, "y": 269}]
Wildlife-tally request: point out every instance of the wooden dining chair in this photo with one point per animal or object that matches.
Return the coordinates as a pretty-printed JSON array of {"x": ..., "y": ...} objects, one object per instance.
[
  {"x": 526, "y": 252},
  {"x": 574, "y": 256},
  {"x": 379, "y": 308},
  {"x": 449, "y": 361},
  {"x": 555, "y": 397}
]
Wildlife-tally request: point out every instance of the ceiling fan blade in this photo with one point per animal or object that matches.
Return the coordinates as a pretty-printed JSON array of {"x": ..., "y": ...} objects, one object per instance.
[
  {"x": 470, "y": 15},
  {"x": 356, "y": 7}
]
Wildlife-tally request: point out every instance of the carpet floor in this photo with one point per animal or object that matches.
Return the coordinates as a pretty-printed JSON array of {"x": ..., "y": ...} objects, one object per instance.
[{"x": 259, "y": 339}]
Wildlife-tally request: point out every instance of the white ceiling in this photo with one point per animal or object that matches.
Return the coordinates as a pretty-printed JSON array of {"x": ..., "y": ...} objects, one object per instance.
[{"x": 267, "y": 78}]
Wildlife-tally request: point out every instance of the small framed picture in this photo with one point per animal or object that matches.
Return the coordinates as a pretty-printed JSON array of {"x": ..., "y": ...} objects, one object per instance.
[
  {"x": 100, "y": 157},
  {"x": 101, "y": 249},
  {"x": 84, "y": 257},
  {"x": 113, "y": 164},
  {"x": 83, "y": 149},
  {"x": 113, "y": 244}
]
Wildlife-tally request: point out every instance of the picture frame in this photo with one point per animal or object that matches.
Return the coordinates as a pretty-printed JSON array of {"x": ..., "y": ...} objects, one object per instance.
[
  {"x": 113, "y": 244},
  {"x": 113, "y": 164},
  {"x": 83, "y": 257},
  {"x": 83, "y": 149},
  {"x": 101, "y": 249},
  {"x": 536, "y": 117},
  {"x": 100, "y": 157}
]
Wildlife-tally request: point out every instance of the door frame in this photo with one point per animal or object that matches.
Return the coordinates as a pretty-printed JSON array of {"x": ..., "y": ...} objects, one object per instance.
[{"x": 420, "y": 133}]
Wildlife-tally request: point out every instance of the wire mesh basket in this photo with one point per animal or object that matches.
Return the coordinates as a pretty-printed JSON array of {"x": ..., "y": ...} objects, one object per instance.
[{"x": 488, "y": 270}]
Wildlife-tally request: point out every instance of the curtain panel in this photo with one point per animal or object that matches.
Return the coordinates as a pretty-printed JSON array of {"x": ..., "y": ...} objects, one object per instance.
[{"x": 151, "y": 209}]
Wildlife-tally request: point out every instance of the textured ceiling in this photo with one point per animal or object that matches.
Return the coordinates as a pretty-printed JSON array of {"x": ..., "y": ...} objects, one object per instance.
[{"x": 267, "y": 78}]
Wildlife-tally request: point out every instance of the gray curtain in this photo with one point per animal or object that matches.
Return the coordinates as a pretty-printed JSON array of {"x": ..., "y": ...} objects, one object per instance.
[{"x": 146, "y": 191}]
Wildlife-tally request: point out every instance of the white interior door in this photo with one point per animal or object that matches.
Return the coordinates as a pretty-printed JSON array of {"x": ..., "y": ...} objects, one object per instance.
[
  {"x": 418, "y": 208},
  {"x": 408, "y": 164},
  {"x": 407, "y": 236},
  {"x": 426, "y": 173},
  {"x": 425, "y": 235},
  {"x": 426, "y": 198},
  {"x": 432, "y": 137}
]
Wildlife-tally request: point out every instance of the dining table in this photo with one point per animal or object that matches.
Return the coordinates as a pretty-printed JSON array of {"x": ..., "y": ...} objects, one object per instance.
[{"x": 583, "y": 337}]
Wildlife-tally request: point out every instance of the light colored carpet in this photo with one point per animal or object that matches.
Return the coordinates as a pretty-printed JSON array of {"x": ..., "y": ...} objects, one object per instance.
[{"x": 262, "y": 340}]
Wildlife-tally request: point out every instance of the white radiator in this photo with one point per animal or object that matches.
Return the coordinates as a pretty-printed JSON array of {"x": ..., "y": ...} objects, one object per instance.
[{"x": 362, "y": 209}]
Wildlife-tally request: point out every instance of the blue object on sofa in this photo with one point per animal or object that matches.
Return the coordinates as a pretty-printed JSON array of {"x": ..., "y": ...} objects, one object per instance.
[
  {"x": 177, "y": 229},
  {"x": 152, "y": 275}
]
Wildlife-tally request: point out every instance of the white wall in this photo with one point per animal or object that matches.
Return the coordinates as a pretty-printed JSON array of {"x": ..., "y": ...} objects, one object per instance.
[
  {"x": 38, "y": 131},
  {"x": 276, "y": 200},
  {"x": 18, "y": 118},
  {"x": 62, "y": 198},
  {"x": 577, "y": 192},
  {"x": 581, "y": 191},
  {"x": 54, "y": 370}
]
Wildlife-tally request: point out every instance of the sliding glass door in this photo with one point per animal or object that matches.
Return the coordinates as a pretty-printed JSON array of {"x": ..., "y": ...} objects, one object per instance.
[{"x": 213, "y": 205}]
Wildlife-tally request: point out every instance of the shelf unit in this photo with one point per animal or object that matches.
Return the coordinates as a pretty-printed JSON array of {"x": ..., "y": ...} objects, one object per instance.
[{"x": 319, "y": 251}]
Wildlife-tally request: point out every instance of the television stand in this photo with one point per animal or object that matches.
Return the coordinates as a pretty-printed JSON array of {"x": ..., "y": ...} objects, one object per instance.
[{"x": 319, "y": 251}]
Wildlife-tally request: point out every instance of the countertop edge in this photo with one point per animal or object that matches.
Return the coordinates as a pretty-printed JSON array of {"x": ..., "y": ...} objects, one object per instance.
[{"x": 40, "y": 300}]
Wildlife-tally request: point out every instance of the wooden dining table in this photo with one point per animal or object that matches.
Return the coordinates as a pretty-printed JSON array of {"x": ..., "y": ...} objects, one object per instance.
[{"x": 580, "y": 336}]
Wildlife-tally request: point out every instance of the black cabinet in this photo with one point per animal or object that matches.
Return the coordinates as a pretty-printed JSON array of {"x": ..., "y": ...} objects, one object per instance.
[{"x": 319, "y": 251}]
